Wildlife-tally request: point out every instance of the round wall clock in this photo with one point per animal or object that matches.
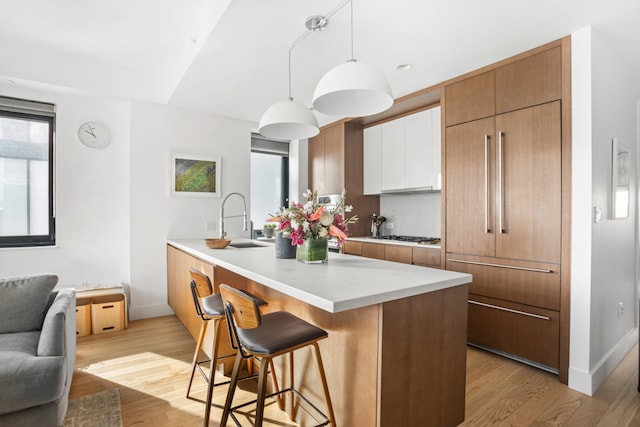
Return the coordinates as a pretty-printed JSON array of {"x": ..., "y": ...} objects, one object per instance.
[{"x": 94, "y": 134}]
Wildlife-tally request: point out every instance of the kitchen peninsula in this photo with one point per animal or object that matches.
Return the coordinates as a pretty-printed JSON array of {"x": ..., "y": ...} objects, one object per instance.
[{"x": 396, "y": 352}]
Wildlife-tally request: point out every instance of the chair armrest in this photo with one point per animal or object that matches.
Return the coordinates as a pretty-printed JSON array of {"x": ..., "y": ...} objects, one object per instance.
[{"x": 59, "y": 327}]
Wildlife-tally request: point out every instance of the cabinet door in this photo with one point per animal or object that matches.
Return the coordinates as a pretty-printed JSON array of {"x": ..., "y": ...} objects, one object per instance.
[
  {"x": 470, "y": 195},
  {"x": 470, "y": 99},
  {"x": 529, "y": 184},
  {"x": 397, "y": 253},
  {"x": 316, "y": 163},
  {"x": 417, "y": 150},
  {"x": 530, "y": 81},
  {"x": 372, "y": 152},
  {"x": 373, "y": 250},
  {"x": 393, "y": 155}
]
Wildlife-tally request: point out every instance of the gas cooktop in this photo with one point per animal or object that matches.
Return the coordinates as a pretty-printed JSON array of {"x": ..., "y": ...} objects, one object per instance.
[{"x": 413, "y": 239}]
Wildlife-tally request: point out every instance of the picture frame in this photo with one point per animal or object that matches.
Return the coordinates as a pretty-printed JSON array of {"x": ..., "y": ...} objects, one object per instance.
[
  {"x": 620, "y": 179},
  {"x": 195, "y": 176}
]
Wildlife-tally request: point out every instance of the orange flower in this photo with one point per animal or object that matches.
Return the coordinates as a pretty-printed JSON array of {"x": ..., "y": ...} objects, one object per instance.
[
  {"x": 274, "y": 219},
  {"x": 317, "y": 214},
  {"x": 336, "y": 232}
]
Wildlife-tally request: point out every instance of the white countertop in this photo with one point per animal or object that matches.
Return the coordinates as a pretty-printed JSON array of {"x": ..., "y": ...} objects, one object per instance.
[
  {"x": 346, "y": 282},
  {"x": 392, "y": 242}
]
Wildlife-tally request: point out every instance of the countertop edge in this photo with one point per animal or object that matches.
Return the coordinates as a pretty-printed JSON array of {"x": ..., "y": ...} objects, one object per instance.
[{"x": 331, "y": 306}]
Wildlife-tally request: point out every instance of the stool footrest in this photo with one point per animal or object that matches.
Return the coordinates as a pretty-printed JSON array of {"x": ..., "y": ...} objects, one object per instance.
[{"x": 287, "y": 390}]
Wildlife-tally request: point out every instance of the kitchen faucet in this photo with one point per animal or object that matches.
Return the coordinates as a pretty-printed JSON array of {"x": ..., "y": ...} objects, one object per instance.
[{"x": 222, "y": 217}]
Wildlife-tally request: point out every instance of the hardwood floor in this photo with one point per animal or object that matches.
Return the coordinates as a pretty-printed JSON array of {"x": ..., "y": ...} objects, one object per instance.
[{"x": 149, "y": 363}]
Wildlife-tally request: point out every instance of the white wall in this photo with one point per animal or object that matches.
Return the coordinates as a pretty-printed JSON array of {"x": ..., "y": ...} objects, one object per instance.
[
  {"x": 156, "y": 132},
  {"x": 92, "y": 195},
  {"x": 605, "y": 97}
]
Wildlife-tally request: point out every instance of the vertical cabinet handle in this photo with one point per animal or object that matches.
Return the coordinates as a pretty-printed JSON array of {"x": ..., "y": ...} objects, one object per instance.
[
  {"x": 486, "y": 184},
  {"x": 500, "y": 182}
]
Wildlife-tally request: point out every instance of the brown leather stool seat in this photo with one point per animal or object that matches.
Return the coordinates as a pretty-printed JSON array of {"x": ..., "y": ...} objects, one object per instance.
[{"x": 265, "y": 337}]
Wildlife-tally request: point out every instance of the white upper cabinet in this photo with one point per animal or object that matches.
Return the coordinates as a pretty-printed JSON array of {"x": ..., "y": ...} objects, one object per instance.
[
  {"x": 403, "y": 154},
  {"x": 393, "y": 146},
  {"x": 372, "y": 148}
]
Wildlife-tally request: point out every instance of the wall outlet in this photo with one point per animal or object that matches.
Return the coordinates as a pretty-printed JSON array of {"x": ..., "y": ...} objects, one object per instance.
[
  {"x": 210, "y": 225},
  {"x": 620, "y": 310},
  {"x": 389, "y": 226}
]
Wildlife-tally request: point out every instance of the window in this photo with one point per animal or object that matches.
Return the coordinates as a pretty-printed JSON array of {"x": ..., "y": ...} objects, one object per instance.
[
  {"x": 269, "y": 178},
  {"x": 27, "y": 215}
]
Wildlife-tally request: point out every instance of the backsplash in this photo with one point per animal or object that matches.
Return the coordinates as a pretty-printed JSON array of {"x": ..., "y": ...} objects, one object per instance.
[{"x": 411, "y": 214}]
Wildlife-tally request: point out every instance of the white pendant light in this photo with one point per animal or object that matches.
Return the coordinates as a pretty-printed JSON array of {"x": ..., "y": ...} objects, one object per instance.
[
  {"x": 352, "y": 89},
  {"x": 288, "y": 119}
]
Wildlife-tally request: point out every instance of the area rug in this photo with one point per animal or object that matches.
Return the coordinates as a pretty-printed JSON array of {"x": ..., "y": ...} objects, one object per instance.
[{"x": 100, "y": 409}]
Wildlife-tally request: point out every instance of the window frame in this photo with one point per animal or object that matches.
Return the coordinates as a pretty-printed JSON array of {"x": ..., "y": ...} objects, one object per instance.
[{"x": 38, "y": 240}]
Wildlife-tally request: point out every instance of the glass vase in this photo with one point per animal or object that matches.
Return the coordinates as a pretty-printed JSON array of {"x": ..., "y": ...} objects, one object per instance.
[{"x": 312, "y": 251}]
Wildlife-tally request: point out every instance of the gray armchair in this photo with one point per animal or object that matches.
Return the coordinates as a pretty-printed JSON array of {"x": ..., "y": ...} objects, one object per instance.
[{"x": 37, "y": 350}]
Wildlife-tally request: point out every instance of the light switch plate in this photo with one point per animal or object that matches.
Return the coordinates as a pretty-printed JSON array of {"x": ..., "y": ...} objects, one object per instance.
[{"x": 597, "y": 214}]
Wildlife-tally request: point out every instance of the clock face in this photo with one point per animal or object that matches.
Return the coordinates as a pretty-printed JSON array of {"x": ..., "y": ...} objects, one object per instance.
[{"x": 94, "y": 134}]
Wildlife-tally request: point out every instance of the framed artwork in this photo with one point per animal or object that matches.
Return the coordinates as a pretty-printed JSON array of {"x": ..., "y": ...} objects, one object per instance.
[
  {"x": 196, "y": 176},
  {"x": 620, "y": 179}
]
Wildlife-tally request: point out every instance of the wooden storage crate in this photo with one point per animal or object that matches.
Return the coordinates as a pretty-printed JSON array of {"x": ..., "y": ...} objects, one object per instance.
[
  {"x": 83, "y": 317},
  {"x": 108, "y": 313}
]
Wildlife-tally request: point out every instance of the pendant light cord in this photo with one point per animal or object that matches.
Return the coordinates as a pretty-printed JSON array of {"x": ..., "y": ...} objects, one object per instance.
[
  {"x": 290, "y": 97},
  {"x": 352, "y": 57}
]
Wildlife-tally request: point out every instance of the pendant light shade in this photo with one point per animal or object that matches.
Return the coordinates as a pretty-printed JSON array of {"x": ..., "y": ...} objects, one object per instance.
[
  {"x": 288, "y": 120},
  {"x": 352, "y": 89}
]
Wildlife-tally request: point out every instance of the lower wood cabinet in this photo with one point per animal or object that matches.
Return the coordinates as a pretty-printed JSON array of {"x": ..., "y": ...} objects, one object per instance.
[
  {"x": 527, "y": 332},
  {"x": 426, "y": 257},
  {"x": 514, "y": 307}
]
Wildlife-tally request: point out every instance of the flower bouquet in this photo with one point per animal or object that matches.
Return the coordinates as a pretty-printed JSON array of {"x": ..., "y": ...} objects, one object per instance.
[{"x": 310, "y": 225}]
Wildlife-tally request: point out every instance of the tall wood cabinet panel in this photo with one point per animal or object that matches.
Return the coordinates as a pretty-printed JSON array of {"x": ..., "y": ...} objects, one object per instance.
[
  {"x": 530, "y": 81},
  {"x": 470, "y": 189},
  {"x": 470, "y": 99},
  {"x": 529, "y": 208},
  {"x": 336, "y": 163},
  {"x": 503, "y": 203}
]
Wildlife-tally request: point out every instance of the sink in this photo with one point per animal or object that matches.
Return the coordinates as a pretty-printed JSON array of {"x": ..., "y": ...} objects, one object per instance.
[{"x": 245, "y": 245}]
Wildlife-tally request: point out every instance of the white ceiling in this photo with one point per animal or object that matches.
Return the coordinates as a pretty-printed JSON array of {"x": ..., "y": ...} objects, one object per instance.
[{"x": 229, "y": 57}]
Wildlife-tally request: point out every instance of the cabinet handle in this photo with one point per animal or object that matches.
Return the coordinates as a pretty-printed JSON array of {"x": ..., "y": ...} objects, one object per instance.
[
  {"x": 500, "y": 182},
  {"x": 513, "y": 267},
  {"x": 486, "y": 184},
  {"x": 497, "y": 307}
]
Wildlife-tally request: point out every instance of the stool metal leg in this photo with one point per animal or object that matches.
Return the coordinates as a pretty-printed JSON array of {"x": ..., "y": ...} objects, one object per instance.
[
  {"x": 203, "y": 330},
  {"x": 262, "y": 390},
  {"x": 212, "y": 369},
  {"x": 232, "y": 389},
  {"x": 292, "y": 395},
  {"x": 275, "y": 385}
]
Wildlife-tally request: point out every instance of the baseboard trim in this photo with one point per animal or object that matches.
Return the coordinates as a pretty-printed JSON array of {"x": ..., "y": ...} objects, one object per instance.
[
  {"x": 148, "y": 311},
  {"x": 588, "y": 383}
]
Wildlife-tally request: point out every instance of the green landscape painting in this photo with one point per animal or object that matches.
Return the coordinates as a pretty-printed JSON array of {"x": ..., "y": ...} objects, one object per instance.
[{"x": 195, "y": 176}]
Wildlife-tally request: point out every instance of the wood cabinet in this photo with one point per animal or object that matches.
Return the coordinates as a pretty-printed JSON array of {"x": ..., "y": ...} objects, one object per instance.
[
  {"x": 503, "y": 185},
  {"x": 503, "y": 204},
  {"x": 403, "y": 153},
  {"x": 427, "y": 257},
  {"x": 179, "y": 290},
  {"x": 336, "y": 163}
]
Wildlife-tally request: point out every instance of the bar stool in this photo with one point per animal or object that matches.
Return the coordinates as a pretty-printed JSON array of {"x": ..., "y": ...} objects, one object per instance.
[
  {"x": 265, "y": 337},
  {"x": 209, "y": 307}
]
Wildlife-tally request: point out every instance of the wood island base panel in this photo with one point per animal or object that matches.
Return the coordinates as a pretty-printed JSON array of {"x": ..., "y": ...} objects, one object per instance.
[{"x": 400, "y": 361}]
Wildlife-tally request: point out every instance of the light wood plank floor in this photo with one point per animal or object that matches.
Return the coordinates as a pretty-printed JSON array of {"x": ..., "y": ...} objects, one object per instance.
[{"x": 149, "y": 363}]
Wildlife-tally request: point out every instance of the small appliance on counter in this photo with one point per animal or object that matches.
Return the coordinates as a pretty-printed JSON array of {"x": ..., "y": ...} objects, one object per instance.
[{"x": 376, "y": 224}]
